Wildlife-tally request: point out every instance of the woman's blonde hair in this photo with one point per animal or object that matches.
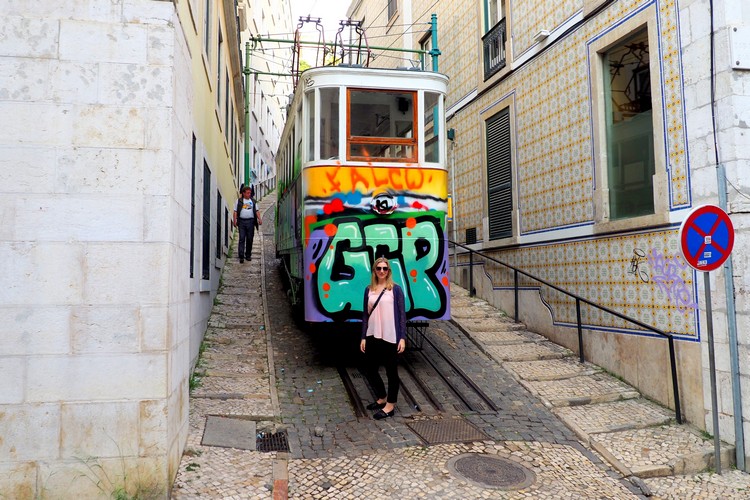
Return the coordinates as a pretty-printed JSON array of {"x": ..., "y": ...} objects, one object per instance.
[{"x": 388, "y": 277}]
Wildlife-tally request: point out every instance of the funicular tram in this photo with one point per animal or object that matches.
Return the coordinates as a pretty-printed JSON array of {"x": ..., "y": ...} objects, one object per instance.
[{"x": 362, "y": 174}]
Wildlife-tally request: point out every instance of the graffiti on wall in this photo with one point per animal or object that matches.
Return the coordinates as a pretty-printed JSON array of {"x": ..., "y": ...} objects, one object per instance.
[{"x": 666, "y": 273}]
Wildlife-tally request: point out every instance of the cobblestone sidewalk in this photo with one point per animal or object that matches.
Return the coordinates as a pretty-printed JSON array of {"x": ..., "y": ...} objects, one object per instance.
[{"x": 258, "y": 367}]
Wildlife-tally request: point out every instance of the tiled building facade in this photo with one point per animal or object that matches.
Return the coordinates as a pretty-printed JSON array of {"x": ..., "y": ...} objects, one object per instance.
[{"x": 583, "y": 138}]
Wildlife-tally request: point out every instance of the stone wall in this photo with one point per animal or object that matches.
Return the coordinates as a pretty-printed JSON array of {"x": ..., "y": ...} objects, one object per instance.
[{"x": 95, "y": 172}]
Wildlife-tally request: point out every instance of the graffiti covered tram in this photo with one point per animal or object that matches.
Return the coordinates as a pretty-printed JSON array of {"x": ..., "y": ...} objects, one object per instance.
[{"x": 362, "y": 174}]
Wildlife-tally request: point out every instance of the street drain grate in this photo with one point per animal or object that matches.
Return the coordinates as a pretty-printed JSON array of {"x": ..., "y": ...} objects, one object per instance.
[
  {"x": 454, "y": 430},
  {"x": 272, "y": 441},
  {"x": 487, "y": 471}
]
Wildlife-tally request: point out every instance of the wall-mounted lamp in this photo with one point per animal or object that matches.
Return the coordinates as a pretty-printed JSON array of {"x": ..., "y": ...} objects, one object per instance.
[{"x": 541, "y": 36}]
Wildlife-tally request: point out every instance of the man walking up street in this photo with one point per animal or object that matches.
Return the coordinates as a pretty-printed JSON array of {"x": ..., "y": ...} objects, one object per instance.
[{"x": 246, "y": 218}]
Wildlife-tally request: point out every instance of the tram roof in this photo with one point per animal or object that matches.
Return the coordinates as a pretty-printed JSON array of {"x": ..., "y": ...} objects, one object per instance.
[{"x": 362, "y": 77}]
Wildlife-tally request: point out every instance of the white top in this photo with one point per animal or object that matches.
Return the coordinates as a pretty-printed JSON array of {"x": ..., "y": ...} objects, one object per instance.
[
  {"x": 382, "y": 323},
  {"x": 246, "y": 212}
]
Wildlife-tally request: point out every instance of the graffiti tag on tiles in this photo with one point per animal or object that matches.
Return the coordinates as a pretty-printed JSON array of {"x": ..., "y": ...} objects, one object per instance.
[
  {"x": 635, "y": 268},
  {"x": 666, "y": 273},
  {"x": 340, "y": 256}
]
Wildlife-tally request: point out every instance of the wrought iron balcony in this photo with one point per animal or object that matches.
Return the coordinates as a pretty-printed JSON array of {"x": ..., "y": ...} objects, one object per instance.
[{"x": 494, "y": 49}]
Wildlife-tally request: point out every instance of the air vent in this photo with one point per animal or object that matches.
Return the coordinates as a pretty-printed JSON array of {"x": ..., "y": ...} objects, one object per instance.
[{"x": 471, "y": 236}]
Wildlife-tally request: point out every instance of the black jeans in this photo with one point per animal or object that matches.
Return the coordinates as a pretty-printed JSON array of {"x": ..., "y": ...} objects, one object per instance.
[
  {"x": 247, "y": 231},
  {"x": 379, "y": 352}
]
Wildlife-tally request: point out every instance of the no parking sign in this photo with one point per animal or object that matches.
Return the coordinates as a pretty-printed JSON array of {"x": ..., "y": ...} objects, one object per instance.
[
  {"x": 706, "y": 240},
  {"x": 706, "y": 237}
]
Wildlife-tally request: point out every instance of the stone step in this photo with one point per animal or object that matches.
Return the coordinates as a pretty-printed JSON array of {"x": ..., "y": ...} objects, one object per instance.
[
  {"x": 506, "y": 337},
  {"x": 613, "y": 417},
  {"x": 490, "y": 325},
  {"x": 529, "y": 351},
  {"x": 583, "y": 390},
  {"x": 473, "y": 312},
  {"x": 659, "y": 451},
  {"x": 551, "y": 369}
]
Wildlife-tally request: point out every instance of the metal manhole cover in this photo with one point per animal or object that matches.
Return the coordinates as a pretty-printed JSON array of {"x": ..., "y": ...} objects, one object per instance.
[
  {"x": 272, "y": 441},
  {"x": 487, "y": 471},
  {"x": 454, "y": 430}
]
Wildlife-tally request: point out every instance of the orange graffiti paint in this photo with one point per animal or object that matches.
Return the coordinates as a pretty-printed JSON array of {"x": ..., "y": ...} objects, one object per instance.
[
  {"x": 330, "y": 229},
  {"x": 446, "y": 282},
  {"x": 413, "y": 272},
  {"x": 408, "y": 233},
  {"x": 312, "y": 268},
  {"x": 411, "y": 222},
  {"x": 326, "y": 287},
  {"x": 309, "y": 220}
]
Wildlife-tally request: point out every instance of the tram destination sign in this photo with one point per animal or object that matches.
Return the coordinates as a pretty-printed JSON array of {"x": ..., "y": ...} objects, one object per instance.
[{"x": 706, "y": 237}]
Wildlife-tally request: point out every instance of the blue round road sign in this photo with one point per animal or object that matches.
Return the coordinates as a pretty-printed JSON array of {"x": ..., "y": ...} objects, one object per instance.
[{"x": 706, "y": 237}]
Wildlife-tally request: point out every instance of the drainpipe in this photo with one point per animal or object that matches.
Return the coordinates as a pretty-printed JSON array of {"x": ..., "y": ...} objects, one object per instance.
[
  {"x": 721, "y": 178},
  {"x": 246, "y": 71},
  {"x": 734, "y": 357},
  {"x": 452, "y": 137}
]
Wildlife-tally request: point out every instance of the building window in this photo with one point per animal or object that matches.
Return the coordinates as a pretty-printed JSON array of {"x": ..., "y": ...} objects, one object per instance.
[
  {"x": 392, "y": 8},
  {"x": 207, "y": 29},
  {"x": 219, "y": 247},
  {"x": 218, "y": 71},
  {"x": 499, "y": 176},
  {"x": 629, "y": 128},
  {"x": 192, "y": 210},
  {"x": 226, "y": 227},
  {"x": 206, "y": 221},
  {"x": 494, "y": 12},
  {"x": 426, "y": 45},
  {"x": 493, "y": 41},
  {"x": 226, "y": 107}
]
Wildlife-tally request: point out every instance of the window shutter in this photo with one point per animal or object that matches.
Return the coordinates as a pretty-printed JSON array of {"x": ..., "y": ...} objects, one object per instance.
[{"x": 499, "y": 176}]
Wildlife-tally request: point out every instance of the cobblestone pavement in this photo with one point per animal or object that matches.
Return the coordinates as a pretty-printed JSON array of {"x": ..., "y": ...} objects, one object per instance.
[{"x": 258, "y": 365}]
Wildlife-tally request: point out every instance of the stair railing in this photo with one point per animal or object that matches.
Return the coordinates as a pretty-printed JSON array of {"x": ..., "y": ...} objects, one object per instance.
[{"x": 579, "y": 300}]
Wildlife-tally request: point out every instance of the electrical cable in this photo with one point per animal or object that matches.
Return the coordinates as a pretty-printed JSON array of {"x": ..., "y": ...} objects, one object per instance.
[{"x": 412, "y": 24}]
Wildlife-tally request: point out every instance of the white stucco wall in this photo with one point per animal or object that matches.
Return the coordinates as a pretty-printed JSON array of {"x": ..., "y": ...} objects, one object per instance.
[{"x": 95, "y": 167}]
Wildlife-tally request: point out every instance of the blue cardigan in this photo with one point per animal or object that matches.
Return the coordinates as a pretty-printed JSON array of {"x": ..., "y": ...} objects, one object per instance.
[{"x": 399, "y": 312}]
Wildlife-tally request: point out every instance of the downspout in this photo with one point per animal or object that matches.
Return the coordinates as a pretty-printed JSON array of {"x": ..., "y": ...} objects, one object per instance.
[
  {"x": 246, "y": 71},
  {"x": 734, "y": 355},
  {"x": 734, "y": 363}
]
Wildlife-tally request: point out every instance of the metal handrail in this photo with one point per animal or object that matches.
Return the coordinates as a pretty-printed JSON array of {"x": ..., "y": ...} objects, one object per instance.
[{"x": 578, "y": 299}]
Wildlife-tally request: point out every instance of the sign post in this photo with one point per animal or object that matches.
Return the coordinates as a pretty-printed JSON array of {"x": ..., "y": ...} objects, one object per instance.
[{"x": 706, "y": 240}]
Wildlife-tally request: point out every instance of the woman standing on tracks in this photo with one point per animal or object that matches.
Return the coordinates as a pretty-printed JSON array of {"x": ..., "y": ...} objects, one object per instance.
[{"x": 383, "y": 335}]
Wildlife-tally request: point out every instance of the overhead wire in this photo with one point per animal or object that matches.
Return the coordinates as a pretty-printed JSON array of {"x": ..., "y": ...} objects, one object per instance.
[{"x": 412, "y": 24}]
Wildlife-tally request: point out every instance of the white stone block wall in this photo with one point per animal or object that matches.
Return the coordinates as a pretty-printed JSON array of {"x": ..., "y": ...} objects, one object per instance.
[
  {"x": 95, "y": 167},
  {"x": 732, "y": 111}
]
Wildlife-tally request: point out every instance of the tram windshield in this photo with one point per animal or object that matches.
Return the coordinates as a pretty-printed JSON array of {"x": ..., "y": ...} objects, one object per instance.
[{"x": 381, "y": 125}]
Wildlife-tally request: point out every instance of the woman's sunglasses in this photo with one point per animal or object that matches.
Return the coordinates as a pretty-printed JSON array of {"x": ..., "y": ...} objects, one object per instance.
[{"x": 382, "y": 268}]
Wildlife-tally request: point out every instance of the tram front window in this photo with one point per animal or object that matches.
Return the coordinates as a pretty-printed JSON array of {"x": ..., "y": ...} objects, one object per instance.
[{"x": 381, "y": 125}]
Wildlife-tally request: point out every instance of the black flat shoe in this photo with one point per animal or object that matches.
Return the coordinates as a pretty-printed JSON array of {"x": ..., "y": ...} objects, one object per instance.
[
  {"x": 375, "y": 406},
  {"x": 380, "y": 414}
]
